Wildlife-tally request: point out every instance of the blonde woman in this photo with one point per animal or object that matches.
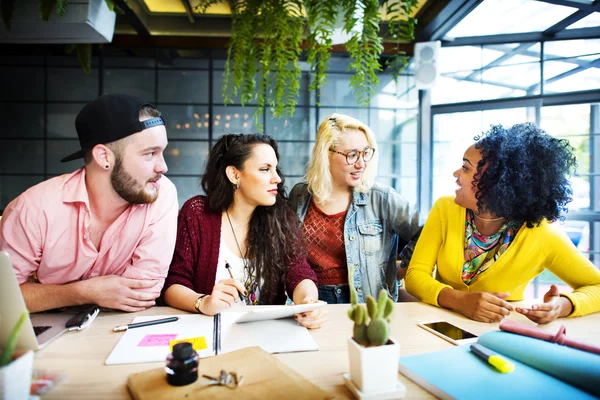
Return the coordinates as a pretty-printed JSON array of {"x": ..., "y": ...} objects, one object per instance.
[{"x": 348, "y": 220}]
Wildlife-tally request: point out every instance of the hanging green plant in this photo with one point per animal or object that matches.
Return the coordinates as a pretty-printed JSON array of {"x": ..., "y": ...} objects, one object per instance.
[
  {"x": 263, "y": 55},
  {"x": 265, "y": 47}
]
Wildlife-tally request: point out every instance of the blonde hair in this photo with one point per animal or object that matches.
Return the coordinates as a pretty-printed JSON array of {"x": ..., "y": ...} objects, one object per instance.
[{"x": 318, "y": 174}]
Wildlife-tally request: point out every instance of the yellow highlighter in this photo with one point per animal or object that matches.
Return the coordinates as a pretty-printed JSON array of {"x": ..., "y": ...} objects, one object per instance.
[{"x": 500, "y": 363}]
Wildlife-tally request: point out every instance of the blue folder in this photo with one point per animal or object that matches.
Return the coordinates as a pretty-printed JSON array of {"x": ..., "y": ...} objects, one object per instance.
[{"x": 543, "y": 370}]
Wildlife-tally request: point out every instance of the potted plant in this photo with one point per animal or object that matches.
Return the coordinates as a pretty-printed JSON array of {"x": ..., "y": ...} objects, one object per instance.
[
  {"x": 15, "y": 375},
  {"x": 373, "y": 354}
]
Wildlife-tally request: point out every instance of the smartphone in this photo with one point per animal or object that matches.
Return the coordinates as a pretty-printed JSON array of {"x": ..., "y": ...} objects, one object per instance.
[{"x": 449, "y": 332}]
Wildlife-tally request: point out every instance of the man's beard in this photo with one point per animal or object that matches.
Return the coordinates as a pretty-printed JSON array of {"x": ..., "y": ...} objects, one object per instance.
[{"x": 128, "y": 188}]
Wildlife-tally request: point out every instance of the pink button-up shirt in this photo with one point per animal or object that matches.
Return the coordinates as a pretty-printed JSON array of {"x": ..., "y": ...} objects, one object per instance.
[{"x": 45, "y": 231}]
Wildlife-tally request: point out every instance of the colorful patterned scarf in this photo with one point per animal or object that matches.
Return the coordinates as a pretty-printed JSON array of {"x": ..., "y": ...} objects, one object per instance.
[{"x": 482, "y": 251}]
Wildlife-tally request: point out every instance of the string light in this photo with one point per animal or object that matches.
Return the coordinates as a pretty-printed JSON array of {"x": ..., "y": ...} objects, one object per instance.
[
  {"x": 216, "y": 123},
  {"x": 206, "y": 124},
  {"x": 178, "y": 126},
  {"x": 196, "y": 116},
  {"x": 228, "y": 117},
  {"x": 227, "y": 125},
  {"x": 206, "y": 115},
  {"x": 187, "y": 125},
  {"x": 218, "y": 117},
  {"x": 245, "y": 124},
  {"x": 236, "y": 115}
]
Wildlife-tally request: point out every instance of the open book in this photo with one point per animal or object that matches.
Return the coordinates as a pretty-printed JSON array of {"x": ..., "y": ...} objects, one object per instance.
[
  {"x": 210, "y": 336},
  {"x": 543, "y": 370}
]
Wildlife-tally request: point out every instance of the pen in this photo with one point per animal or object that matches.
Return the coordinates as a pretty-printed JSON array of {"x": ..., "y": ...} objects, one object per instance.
[
  {"x": 145, "y": 323},
  {"x": 500, "y": 363},
  {"x": 228, "y": 268}
]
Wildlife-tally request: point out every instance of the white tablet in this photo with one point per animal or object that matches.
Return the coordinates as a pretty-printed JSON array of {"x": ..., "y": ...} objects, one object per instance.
[{"x": 261, "y": 314}]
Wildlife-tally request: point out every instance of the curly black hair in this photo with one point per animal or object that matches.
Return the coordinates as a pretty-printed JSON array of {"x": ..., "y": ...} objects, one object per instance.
[
  {"x": 273, "y": 236},
  {"x": 526, "y": 178}
]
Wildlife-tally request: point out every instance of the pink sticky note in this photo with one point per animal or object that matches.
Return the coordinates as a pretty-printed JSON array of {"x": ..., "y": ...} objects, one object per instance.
[{"x": 157, "y": 340}]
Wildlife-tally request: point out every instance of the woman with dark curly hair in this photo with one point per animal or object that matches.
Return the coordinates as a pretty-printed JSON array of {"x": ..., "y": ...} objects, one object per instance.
[
  {"x": 242, "y": 228},
  {"x": 497, "y": 234}
]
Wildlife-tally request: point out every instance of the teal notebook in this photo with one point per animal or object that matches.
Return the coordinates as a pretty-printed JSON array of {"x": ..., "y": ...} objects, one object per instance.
[{"x": 543, "y": 370}]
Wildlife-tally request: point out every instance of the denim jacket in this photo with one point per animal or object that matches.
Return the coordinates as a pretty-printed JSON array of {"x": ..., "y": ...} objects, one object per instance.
[{"x": 373, "y": 223}]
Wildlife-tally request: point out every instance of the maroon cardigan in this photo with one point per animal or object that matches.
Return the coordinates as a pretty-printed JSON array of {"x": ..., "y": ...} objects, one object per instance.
[{"x": 194, "y": 263}]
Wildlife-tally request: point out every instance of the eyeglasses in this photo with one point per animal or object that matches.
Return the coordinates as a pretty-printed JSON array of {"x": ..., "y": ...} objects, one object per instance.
[{"x": 352, "y": 155}]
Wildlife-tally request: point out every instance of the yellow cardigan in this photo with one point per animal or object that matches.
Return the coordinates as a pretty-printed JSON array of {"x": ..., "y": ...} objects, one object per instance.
[{"x": 533, "y": 249}]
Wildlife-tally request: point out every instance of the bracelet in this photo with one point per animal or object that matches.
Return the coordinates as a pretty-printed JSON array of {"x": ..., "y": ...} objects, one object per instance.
[{"x": 198, "y": 302}]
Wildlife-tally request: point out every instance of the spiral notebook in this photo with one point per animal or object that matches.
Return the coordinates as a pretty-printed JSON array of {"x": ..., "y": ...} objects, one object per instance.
[{"x": 210, "y": 335}]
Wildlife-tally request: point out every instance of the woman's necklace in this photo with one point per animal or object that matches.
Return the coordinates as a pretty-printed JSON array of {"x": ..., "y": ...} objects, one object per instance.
[
  {"x": 249, "y": 283},
  {"x": 488, "y": 219}
]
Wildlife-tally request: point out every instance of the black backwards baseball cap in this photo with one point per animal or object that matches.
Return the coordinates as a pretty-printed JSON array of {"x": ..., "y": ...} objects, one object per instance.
[{"x": 108, "y": 118}]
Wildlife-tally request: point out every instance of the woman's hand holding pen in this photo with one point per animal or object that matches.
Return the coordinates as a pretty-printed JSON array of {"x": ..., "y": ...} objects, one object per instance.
[
  {"x": 312, "y": 319},
  {"x": 224, "y": 295}
]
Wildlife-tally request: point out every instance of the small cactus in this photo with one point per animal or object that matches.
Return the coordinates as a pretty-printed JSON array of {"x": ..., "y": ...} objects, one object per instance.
[{"x": 377, "y": 331}]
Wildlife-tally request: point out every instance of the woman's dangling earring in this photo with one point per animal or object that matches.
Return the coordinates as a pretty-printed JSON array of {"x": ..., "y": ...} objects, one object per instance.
[{"x": 236, "y": 186}]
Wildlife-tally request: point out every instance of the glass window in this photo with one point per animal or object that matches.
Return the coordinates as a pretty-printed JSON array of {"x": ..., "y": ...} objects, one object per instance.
[
  {"x": 72, "y": 84},
  {"x": 294, "y": 157},
  {"x": 232, "y": 119},
  {"x": 570, "y": 65},
  {"x": 187, "y": 187},
  {"x": 361, "y": 114},
  {"x": 22, "y": 120},
  {"x": 61, "y": 120},
  {"x": 186, "y": 158},
  {"x": 12, "y": 186},
  {"x": 22, "y": 156},
  {"x": 22, "y": 83},
  {"x": 140, "y": 83},
  {"x": 186, "y": 122},
  {"x": 591, "y": 21},
  {"x": 300, "y": 126},
  {"x": 195, "y": 63},
  {"x": 217, "y": 90},
  {"x": 572, "y": 122},
  {"x": 472, "y": 73},
  {"x": 454, "y": 133},
  {"x": 183, "y": 86},
  {"x": 56, "y": 151},
  {"x": 493, "y": 17},
  {"x": 337, "y": 91}
]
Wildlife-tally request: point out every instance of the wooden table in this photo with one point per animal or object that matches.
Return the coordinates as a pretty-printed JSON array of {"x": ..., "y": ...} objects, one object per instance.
[{"x": 81, "y": 355}]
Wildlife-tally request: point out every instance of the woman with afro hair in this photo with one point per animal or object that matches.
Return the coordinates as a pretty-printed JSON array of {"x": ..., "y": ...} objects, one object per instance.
[{"x": 496, "y": 235}]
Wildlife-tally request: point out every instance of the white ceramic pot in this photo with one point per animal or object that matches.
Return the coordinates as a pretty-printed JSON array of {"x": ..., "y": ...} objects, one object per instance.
[
  {"x": 374, "y": 369},
  {"x": 15, "y": 378}
]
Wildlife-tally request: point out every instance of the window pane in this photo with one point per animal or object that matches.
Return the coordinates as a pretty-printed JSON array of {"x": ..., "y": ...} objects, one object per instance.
[
  {"x": 182, "y": 86},
  {"x": 337, "y": 91},
  {"x": 472, "y": 73},
  {"x": 22, "y": 120},
  {"x": 72, "y": 84},
  {"x": 454, "y": 133},
  {"x": 186, "y": 187},
  {"x": 12, "y": 186},
  {"x": 22, "y": 83},
  {"x": 571, "y": 65},
  {"x": 218, "y": 90},
  {"x": 57, "y": 150},
  {"x": 186, "y": 122},
  {"x": 137, "y": 82},
  {"x": 572, "y": 122},
  {"x": 186, "y": 158},
  {"x": 301, "y": 126},
  {"x": 22, "y": 156},
  {"x": 361, "y": 114},
  {"x": 494, "y": 17},
  {"x": 294, "y": 157},
  {"x": 592, "y": 20},
  {"x": 233, "y": 120},
  {"x": 61, "y": 120}
]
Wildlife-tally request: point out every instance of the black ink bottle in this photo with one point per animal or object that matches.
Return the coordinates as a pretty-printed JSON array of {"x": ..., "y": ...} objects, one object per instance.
[{"x": 182, "y": 365}]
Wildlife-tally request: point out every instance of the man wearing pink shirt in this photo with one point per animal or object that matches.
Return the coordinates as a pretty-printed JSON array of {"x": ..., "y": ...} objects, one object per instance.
[{"x": 105, "y": 233}]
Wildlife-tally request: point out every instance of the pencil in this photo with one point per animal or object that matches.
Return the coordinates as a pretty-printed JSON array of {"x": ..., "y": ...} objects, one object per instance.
[
  {"x": 228, "y": 268},
  {"x": 145, "y": 323}
]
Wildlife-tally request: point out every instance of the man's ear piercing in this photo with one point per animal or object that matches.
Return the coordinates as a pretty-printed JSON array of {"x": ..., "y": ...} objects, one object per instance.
[{"x": 106, "y": 166}]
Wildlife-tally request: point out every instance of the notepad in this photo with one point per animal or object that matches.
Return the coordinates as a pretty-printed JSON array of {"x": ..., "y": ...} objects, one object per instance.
[
  {"x": 542, "y": 370},
  {"x": 152, "y": 343}
]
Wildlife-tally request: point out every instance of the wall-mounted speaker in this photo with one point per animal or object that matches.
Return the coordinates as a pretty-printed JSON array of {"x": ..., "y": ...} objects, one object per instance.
[{"x": 427, "y": 68}]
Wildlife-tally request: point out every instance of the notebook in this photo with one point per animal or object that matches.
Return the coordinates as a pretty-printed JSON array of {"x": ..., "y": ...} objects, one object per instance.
[
  {"x": 211, "y": 336},
  {"x": 542, "y": 370},
  {"x": 40, "y": 329},
  {"x": 265, "y": 377}
]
